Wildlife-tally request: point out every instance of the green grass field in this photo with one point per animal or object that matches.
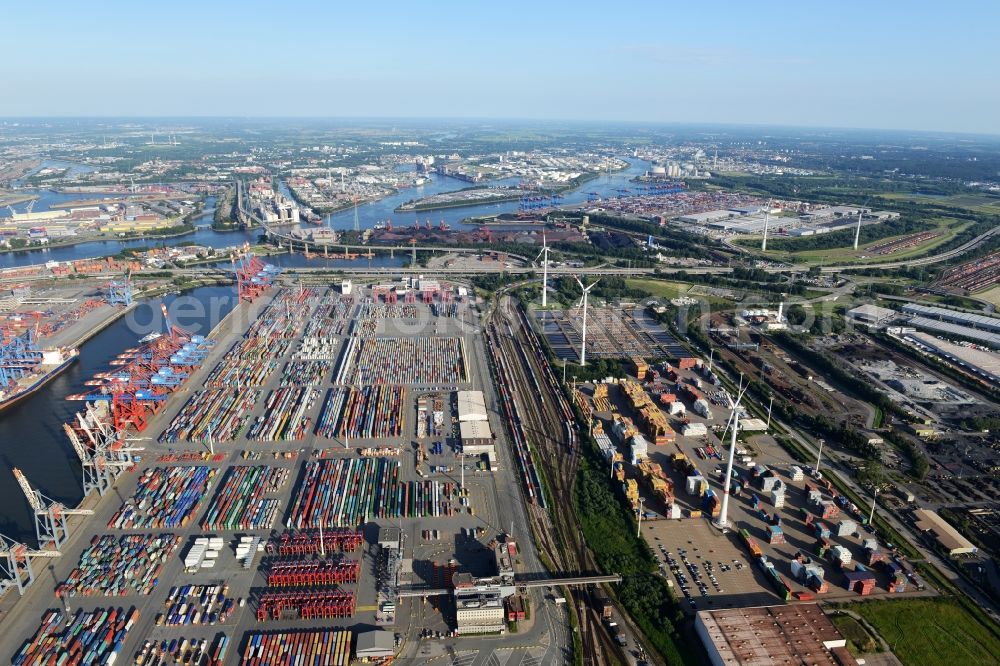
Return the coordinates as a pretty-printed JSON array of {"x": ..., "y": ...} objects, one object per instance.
[
  {"x": 668, "y": 289},
  {"x": 931, "y": 632},
  {"x": 980, "y": 203},
  {"x": 947, "y": 227},
  {"x": 859, "y": 640}
]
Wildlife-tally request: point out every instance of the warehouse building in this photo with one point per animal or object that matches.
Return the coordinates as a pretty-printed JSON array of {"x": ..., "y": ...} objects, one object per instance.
[
  {"x": 872, "y": 315},
  {"x": 969, "y": 319},
  {"x": 982, "y": 363},
  {"x": 795, "y": 634},
  {"x": 471, "y": 406},
  {"x": 374, "y": 645},
  {"x": 475, "y": 434},
  {"x": 948, "y": 328},
  {"x": 947, "y": 536}
]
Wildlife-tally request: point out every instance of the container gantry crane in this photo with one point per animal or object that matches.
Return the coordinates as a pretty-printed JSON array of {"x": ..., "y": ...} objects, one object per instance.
[
  {"x": 99, "y": 448},
  {"x": 19, "y": 355},
  {"x": 50, "y": 516},
  {"x": 120, "y": 291},
  {"x": 16, "y": 569}
]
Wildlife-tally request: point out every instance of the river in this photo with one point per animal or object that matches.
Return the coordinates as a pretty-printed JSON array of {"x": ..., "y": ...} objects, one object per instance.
[
  {"x": 368, "y": 215},
  {"x": 31, "y": 434}
]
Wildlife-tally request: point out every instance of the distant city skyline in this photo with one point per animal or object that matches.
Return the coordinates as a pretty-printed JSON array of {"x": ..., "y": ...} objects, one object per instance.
[{"x": 889, "y": 65}]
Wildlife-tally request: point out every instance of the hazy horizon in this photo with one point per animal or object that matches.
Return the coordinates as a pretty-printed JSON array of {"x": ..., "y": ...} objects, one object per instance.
[{"x": 892, "y": 65}]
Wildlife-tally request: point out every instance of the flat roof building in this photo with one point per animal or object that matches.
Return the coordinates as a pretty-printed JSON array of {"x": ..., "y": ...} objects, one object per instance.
[
  {"x": 766, "y": 635},
  {"x": 983, "y": 363},
  {"x": 471, "y": 406},
  {"x": 475, "y": 433},
  {"x": 872, "y": 315},
  {"x": 375, "y": 645},
  {"x": 479, "y": 611},
  {"x": 943, "y": 532}
]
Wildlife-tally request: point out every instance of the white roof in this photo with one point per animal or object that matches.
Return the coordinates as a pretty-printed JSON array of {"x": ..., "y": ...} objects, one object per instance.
[
  {"x": 871, "y": 312},
  {"x": 471, "y": 406},
  {"x": 475, "y": 430}
]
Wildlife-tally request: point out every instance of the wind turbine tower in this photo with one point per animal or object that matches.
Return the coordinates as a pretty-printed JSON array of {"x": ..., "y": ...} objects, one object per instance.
[
  {"x": 583, "y": 344},
  {"x": 544, "y": 254},
  {"x": 767, "y": 218},
  {"x": 734, "y": 423},
  {"x": 857, "y": 230}
]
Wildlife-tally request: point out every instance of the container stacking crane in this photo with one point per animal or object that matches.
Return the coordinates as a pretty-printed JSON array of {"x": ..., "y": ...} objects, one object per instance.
[
  {"x": 50, "y": 516},
  {"x": 16, "y": 569}
]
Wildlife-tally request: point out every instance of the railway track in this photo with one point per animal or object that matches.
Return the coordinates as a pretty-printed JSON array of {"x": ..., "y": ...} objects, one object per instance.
[{"x": 547, "y": 422}]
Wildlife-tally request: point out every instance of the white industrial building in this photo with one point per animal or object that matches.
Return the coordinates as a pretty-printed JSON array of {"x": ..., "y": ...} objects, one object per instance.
[
  {"x": 471, "y": 406},
  {"x": 872, "y": 315},
  {"x": 475, "y": 433},
  {"x": 947, "y": 536},
  {"x": 479, "y": 611},
  {"x": 375, "y": 645}
]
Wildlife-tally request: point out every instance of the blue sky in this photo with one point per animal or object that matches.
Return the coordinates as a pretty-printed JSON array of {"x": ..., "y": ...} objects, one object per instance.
[{"x": 878, "y": 64}]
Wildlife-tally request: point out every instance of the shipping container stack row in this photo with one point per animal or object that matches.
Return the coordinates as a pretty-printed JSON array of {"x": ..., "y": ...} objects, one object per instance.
[
  {"x": 94, "y": 637},
  {"x": 375, "y": 310},
  {"x": 191, "y": 456},
  {"x": 259, "y": 349},
  {"x": 284, "y": 417},
  {"x": 312, "y": 648},
  {"x": 164, "y": 498},
  {"x": 237, "y": 373},
  {"x": 363, "y": 412},
  {"x": 423, "y": 360},
  {"x": 195, "y": 651},
  {"x": 239, "y": 503},
  {"x": 218, "y": 415},
  {"x": 310, "y": 542},
  {"x": 782, "y": 587},
  {"x": 303, "y": 373},
  {"x": 119, "y": 566},
  {"x": 194, "y": 605},
  {"x": 349, "y": 492}
]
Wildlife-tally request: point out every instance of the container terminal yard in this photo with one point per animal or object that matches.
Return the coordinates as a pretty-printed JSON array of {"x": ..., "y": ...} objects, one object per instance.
[{"x": 298, "y": 468}]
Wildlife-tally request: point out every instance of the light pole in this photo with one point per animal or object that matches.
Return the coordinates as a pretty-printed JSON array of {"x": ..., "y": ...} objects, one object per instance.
[
  {"x": 871, "y": 516},
  {"x": 819, "y": 456},
  {"x": 769, "y": 405},
  {"x": 638, "y": 529}
]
